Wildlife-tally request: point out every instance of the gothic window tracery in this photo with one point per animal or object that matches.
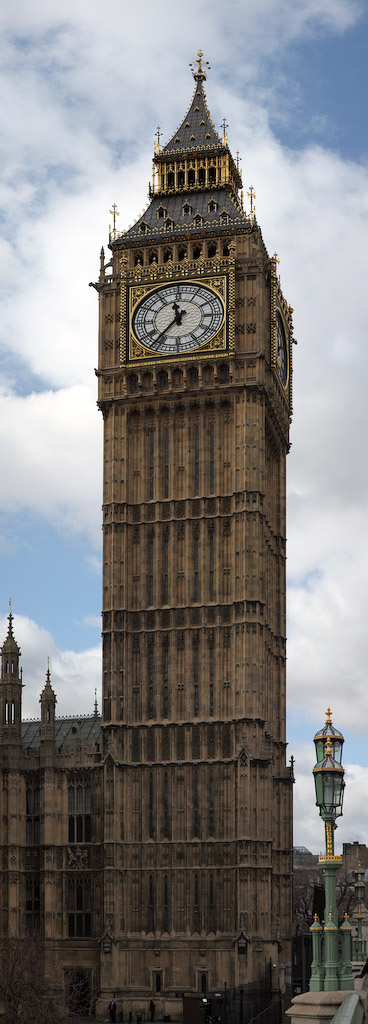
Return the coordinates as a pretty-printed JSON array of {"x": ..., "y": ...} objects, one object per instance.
[{"x": 79, "y": 811}]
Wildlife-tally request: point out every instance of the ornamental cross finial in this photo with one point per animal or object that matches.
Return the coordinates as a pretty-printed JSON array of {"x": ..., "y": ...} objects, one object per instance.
[
  {"x": 251, "y": 195},
  {"x": 114, "y": 213},
  {"x": 158, "y": 136},
  {"x": 328, "y": 716},
  {"x": 200, "y": 75}
]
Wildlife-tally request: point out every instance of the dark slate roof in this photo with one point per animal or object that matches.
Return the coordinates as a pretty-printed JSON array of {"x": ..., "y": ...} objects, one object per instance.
[
  {"x": 173, "y": 205},
  {"x": 67, "y": 731},
  {"x": 196, "y": 131}
]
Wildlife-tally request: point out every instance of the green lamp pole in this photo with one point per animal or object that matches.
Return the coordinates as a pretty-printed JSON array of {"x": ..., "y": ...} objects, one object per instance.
[
  {"x": 358, "y": 942},
  {"x": 328, "y": 974}
]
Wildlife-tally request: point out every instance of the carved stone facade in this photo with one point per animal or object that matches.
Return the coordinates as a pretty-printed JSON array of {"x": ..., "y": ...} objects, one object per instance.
[{"x": 187, "y": 865}]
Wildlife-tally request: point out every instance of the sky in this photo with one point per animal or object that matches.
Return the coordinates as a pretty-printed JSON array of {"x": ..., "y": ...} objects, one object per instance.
[{"x": 82, "y": 92}]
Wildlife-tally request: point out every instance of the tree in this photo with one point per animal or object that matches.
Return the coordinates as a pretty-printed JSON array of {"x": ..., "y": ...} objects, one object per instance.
[
  {"x": 27, "y": 993},
  {"x": 307, "y": 886}
]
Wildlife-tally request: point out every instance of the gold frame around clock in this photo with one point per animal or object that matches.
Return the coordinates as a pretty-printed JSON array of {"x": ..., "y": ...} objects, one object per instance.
[
  {"x": 286, "y": 312},
  {"x": 216, "y": 274}
]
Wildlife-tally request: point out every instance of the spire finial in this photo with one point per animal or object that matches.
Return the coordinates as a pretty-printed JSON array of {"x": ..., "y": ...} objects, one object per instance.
[
  {"x": 158, "y": 137},
  {"x": 114, "y": 213},
  {"x": 251, "y": 195},
  {"x": 96, "y": 708},
  {"x": 200, "y": 75},
  {"x": 328, "y": 716},
  {"x": 10, "y": 619},
  {"x": 224, "y": 126}
]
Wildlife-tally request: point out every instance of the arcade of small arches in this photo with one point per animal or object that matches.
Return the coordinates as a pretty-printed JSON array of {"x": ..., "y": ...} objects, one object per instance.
[
  {"x": 178, "y": 253},
  {"x": 176, "y": 378}
]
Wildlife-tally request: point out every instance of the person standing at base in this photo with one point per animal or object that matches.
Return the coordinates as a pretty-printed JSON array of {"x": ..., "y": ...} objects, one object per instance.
[
  {"x": 112, "y": 1010},
  {"x": 152, "y": 1010}
]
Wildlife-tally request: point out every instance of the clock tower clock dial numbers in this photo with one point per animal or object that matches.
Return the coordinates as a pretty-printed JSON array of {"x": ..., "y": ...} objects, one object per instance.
[{"x": 178, "y": 318}]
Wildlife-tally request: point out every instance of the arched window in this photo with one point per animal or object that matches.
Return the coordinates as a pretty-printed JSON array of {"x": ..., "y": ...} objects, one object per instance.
[
  {"x": 163, "y": 379},
  {"x": 170, "y": 179},
  {"x": 201, "y": 175},
  {"x": 191, "y": 177},
  {"x": 167, "y": 255},
  {"x": 138, "y": 258},
  {"x": 225, "y": 249},
  {"x": 181, "y": 179},
  {"x": 79, "y": 811},
  {"x": 212, "y": 249},
  {"x": 212, "y": 175},
  {"x": 152, "y": 256},
  {"x": 133, "y": 382},
  {"x": 197, "y": 252},
  {"x": 193, "y": 376},
  {"x": 182, "y": 254}
]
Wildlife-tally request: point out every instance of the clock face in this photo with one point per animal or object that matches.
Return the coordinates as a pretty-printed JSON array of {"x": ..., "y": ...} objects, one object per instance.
[
  {"x": 281, "y": 350},
  {"x": 178, "y": 318}
]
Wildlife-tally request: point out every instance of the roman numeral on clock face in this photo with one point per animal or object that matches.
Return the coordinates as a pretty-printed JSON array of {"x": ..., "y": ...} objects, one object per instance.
[{"x": 178, "y": 318}]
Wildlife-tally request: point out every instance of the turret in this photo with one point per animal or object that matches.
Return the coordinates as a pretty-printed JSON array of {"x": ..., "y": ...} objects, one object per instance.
[
  {"x": 10, "y": 689},
  {"x": 48, "y": 702}
]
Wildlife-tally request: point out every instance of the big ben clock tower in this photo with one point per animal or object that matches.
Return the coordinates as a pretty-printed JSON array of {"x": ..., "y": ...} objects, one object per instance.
[{"x": 195, "y": 390}]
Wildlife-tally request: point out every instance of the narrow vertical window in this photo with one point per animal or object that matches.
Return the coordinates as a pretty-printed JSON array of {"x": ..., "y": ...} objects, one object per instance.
[
  {"x": 151, "y": 462},
  {"x": 211, "y": 806},
  {"x": 166, "y": 682},
  {"x": 196, "y": 680},
  {"x": 211, "y": 907},
  {"x": 196, "y": 460},
  {"x": 165, "y": 921},
  {"x": 211, "y": 565},
  {"x": 166, "y": 446},
  {"x": 150, "y": 807},
  {"x": 212, "y": 458},
  {"x": 196, "y": 904},
  {"x": 150, "y": 905},
  {"x": 166, "y": 570},
  {"x": 165, "y": 806},
  {"x": 150, "y": 572},
  {"x": 150, "y": 683},
  {"x": 195, "y": 805},
  {"x": 196, "y": 568},
  {"x": 211, "y": 679}
]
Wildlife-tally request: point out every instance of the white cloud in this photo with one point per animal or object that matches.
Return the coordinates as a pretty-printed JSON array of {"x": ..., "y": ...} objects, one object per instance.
[
  {"x": 82, "y": 95},
  {"x": 74, "y": 675},
  {"x": 308, "y": 826}
]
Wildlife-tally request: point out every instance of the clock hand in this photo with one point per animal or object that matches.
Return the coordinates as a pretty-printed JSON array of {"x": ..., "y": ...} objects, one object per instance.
[{"x": 177, "y": 320}]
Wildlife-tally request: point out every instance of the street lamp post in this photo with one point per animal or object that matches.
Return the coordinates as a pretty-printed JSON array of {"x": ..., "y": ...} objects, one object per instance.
[
  {"x": 327, "y": 973},
  {"x": 358, "y": 942}
]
